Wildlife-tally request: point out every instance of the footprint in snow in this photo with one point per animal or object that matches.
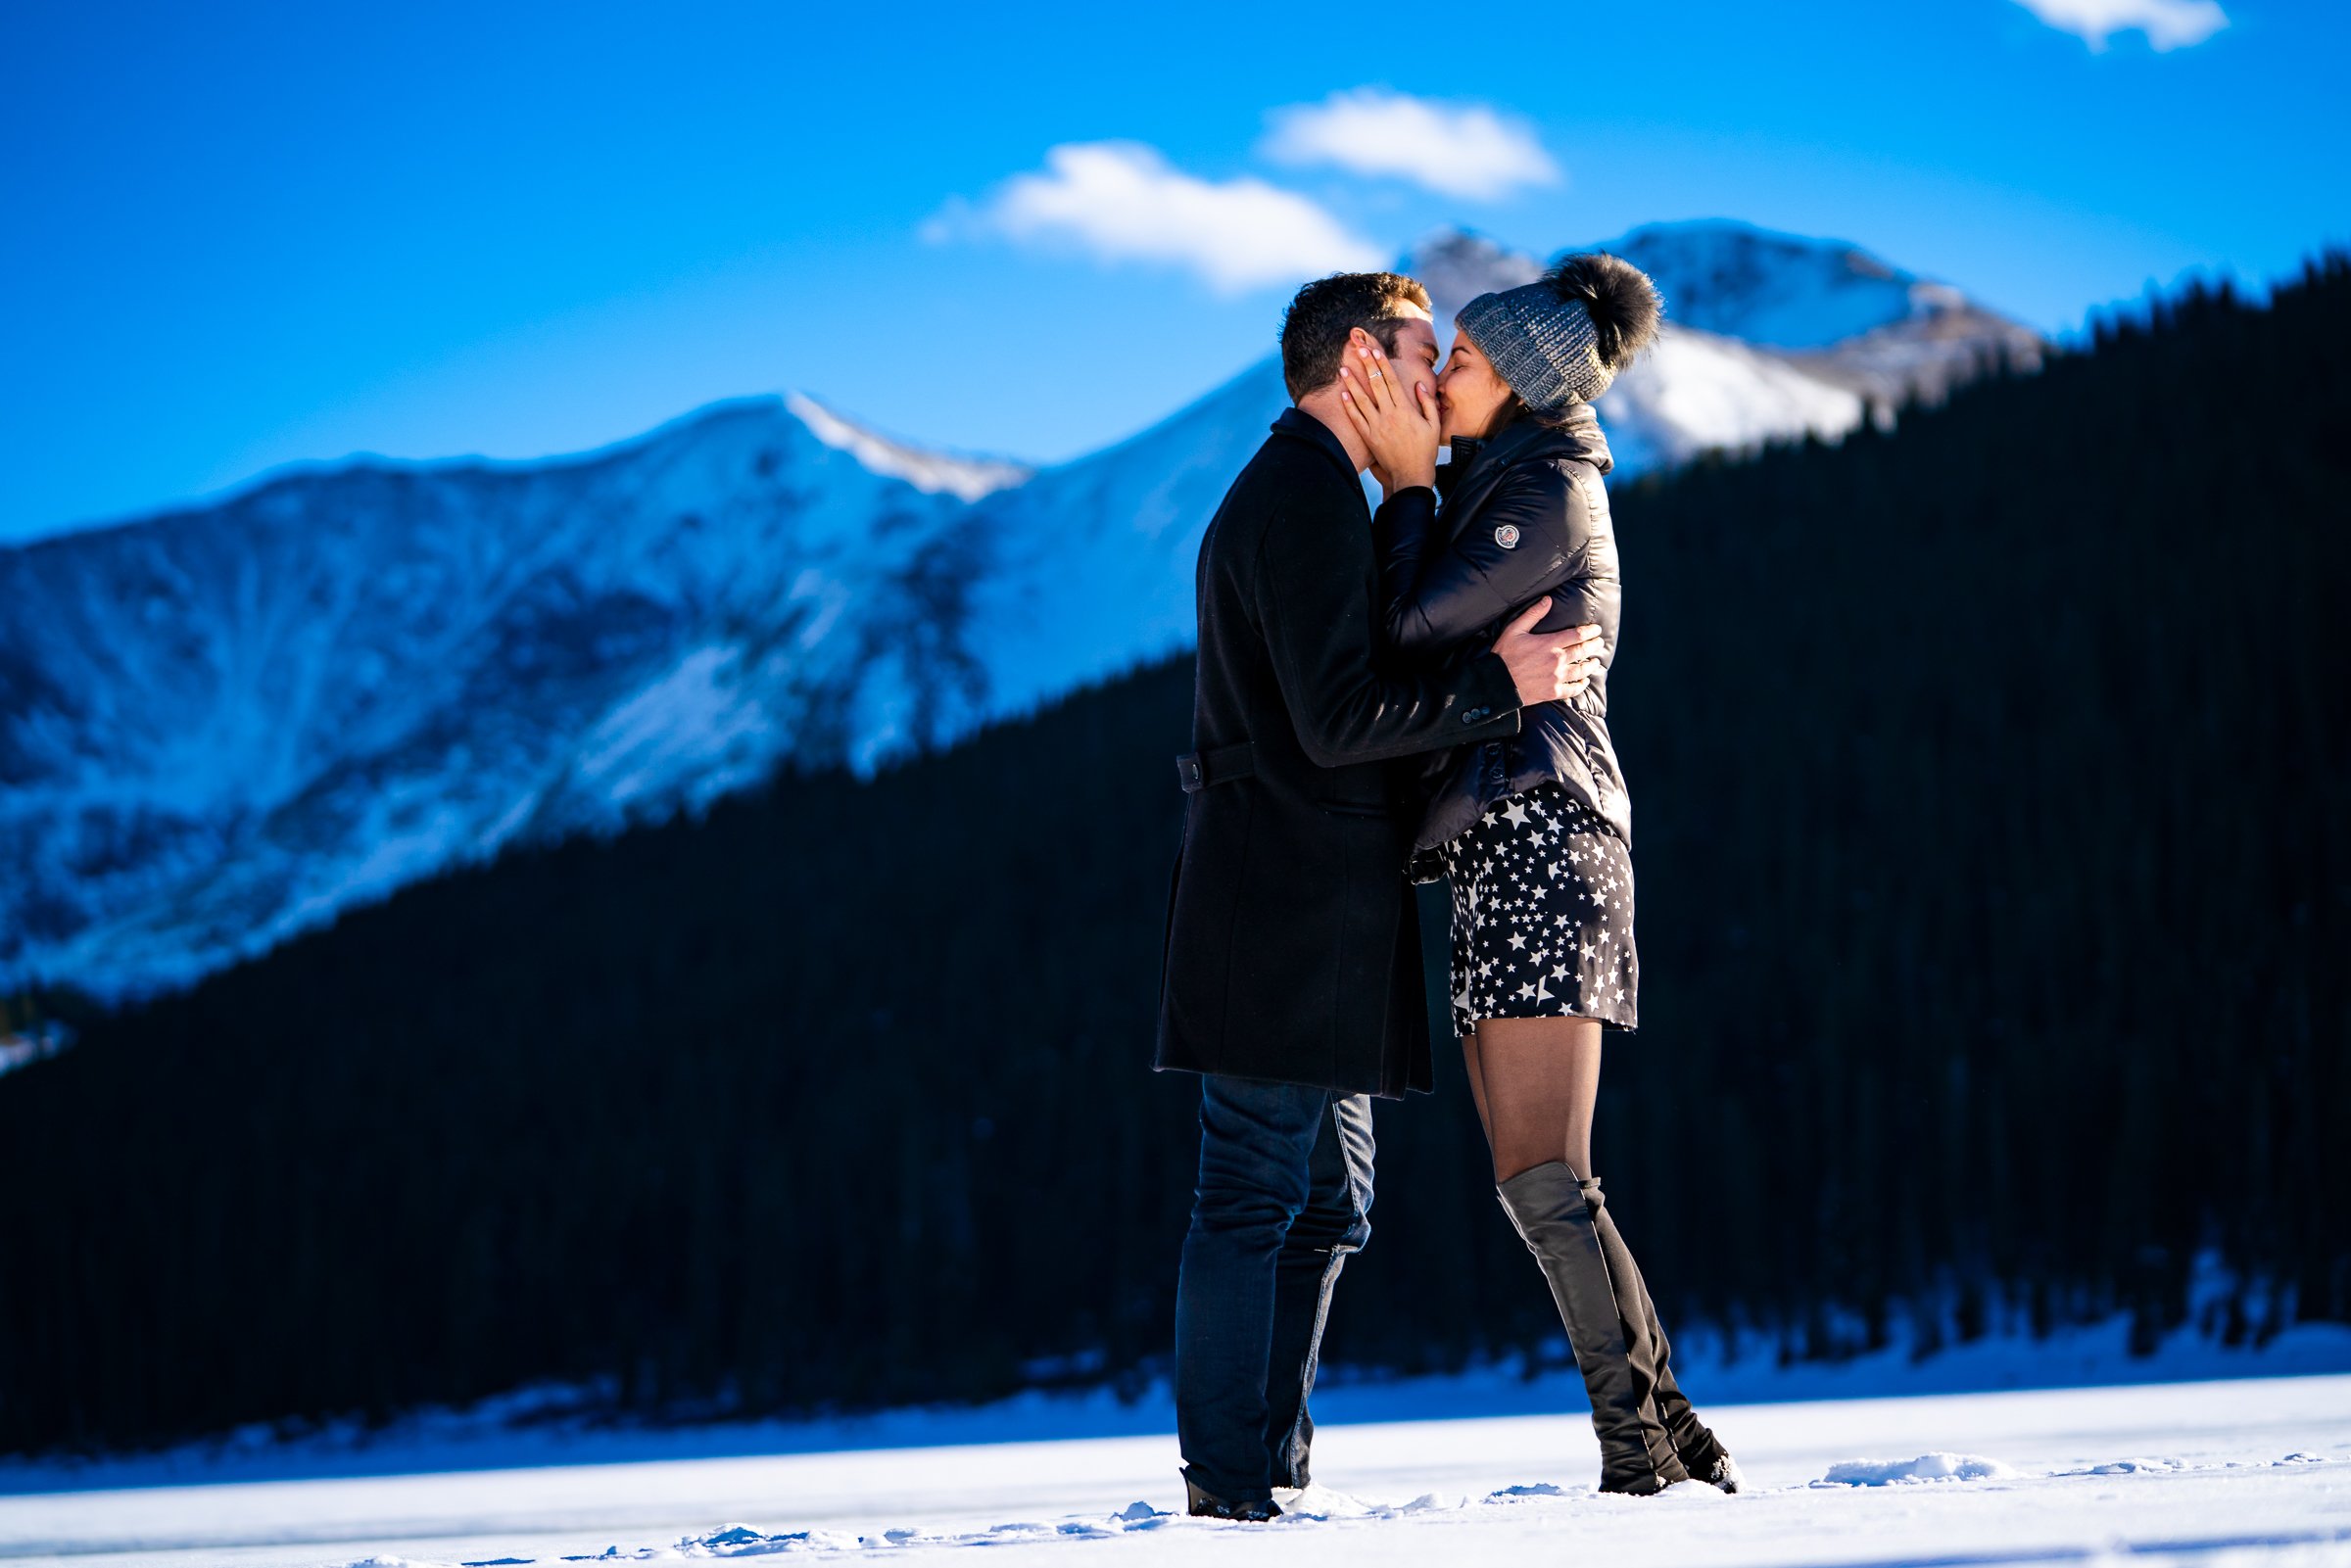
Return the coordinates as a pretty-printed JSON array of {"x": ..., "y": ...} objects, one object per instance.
[
  {"x": 1315, "y": 1505},
  {"x": 741, "y": 1540},
  {"x": 2130, "y": 1467}
]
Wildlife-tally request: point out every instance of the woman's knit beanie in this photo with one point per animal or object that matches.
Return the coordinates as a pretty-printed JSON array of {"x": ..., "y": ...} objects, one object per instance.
[{"x": 1564, "y": 338}]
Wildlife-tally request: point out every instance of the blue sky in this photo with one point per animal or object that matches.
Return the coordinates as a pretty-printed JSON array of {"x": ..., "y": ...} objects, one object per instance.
[{"x": 239, "y": 236}]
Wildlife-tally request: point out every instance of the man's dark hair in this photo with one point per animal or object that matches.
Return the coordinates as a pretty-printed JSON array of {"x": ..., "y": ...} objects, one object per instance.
[{"x": 1314, "y": 328}]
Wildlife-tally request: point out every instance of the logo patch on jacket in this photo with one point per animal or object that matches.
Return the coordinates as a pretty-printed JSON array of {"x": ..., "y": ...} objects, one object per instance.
[{"x": 1506, "y": 536}]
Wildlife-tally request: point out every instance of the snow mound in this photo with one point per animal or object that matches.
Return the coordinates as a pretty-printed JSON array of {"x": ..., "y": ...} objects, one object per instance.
[
  {"x": 1319, "y": 1503},
  {"x": 741, "y": 1540},
  {"x": 1926, "y": 1468},
  {"x": 1691, "y": 1492}
]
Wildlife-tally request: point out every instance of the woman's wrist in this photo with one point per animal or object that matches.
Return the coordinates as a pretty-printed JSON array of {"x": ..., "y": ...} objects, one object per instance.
[{"x": 1402, "y": 471}]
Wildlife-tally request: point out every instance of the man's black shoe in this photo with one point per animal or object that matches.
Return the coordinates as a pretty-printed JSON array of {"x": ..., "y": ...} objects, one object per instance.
[{"x": 1208, "y": 1505}]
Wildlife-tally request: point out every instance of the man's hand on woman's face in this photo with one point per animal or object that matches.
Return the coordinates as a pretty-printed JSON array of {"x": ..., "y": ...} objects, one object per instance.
[{"x": 1398, "y": 424}]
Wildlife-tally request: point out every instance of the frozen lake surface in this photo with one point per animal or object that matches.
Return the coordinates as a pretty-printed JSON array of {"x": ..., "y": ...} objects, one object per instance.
[{"x": 2243, "y": 1471}]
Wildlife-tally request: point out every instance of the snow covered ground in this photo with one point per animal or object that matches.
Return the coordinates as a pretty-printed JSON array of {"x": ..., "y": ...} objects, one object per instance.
[
  {"x": 2251, "y": 1471},
  {"x": 2236, "y": 1470}
]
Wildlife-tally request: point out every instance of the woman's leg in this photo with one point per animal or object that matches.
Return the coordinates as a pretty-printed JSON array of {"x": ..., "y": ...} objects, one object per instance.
[
  {"x": 1536, "y": 1080},
  {"x": 1540, "y": 1079},
  {"x": 1477, "y": 1083}
]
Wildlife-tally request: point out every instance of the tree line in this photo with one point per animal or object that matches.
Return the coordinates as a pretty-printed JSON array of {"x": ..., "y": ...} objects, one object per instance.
[{"x": 1991, "y": 833}]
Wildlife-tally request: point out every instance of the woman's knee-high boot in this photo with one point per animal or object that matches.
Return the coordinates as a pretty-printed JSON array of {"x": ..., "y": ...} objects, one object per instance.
[
  {"x": 1701, "y": 1452},
  {"x": 1549, "y": 1206}
]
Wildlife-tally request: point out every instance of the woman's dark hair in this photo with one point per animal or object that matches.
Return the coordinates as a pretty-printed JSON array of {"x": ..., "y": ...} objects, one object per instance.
[
  {"x": 1314, "y": 328},
  {"x": 1516, "y": 409}
]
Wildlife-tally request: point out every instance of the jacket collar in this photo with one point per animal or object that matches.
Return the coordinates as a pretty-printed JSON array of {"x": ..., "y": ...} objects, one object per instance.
[
  {"x": 1578, "y": 437},
  {"x": 1299, "y": 425}
]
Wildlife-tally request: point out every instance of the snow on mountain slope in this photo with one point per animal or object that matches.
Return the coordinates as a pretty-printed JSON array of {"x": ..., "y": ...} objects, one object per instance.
[
  {"x": 1695, "y": 391},
  {"x": 219, "y": 725},
  {"x": 968, "y": 477},
  {"x": 1838, "y": 313},
  {"x": 1783, "y": 291},
  {"x": 222, "y": 725},
  {"x": 1095, "y": 560},
  {"x": 1767, "y": 336},
  {"x": 1924, "y": 356}
]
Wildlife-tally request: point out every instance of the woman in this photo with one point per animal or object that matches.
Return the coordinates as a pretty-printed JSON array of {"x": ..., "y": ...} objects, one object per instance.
[{"x": 1532, "y": 832}]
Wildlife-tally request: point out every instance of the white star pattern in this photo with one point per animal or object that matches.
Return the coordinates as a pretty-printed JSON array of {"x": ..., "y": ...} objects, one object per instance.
[{"x": 1541, "y": 886}]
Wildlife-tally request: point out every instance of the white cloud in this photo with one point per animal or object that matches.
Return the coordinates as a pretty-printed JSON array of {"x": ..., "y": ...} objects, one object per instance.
[
  {"x": 1454, "y": 148},
  {"x": 2168, "y": 24},
  {"x": 1122, "y": 201}
]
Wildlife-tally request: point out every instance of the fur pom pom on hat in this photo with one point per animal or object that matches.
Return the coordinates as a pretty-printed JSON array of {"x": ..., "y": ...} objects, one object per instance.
[{"x": 1564, "y": 338}]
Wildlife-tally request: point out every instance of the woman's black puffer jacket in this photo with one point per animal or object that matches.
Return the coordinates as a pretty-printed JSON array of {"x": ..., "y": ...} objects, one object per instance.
[{"x": 1524, "y": 514}]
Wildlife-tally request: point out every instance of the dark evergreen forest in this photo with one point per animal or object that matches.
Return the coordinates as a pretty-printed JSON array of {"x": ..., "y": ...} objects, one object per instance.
[{"x": 1995, "y": 856}]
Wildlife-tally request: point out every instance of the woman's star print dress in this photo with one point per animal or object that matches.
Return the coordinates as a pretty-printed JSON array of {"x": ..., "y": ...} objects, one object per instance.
[{"x": 1542, "y": 914}]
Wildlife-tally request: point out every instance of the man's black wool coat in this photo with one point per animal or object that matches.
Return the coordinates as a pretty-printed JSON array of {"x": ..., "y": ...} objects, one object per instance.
[{"x": 1293, "y": 954}]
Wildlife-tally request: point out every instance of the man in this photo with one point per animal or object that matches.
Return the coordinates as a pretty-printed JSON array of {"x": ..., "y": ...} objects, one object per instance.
[{"x": 1292, "y": 979}]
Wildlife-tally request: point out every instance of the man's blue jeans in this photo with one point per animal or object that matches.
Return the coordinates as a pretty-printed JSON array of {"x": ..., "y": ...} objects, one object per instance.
[{"x": 1284, "y": 1196}]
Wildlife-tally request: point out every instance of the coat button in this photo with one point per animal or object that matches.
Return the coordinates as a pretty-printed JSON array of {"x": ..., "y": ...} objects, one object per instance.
[{"x": 1474, "y": 716}]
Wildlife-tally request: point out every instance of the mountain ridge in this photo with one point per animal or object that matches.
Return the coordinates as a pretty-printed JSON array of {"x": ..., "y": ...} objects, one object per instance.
[{"x": 222, "y": 723}]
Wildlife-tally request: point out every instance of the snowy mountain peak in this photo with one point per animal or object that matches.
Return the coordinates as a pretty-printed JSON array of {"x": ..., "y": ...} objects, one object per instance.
[
  {"x": 1767, "y": 336},
  {"x": 1784, "y": 291},
  {"x": 933, "y": 472},
  {"x": 1457, "y": 265},
  {"x": 1718, "y": 275}
]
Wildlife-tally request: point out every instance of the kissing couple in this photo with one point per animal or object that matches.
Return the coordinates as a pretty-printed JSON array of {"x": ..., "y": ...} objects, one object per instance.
[{"x": 1382, "y": 698}]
